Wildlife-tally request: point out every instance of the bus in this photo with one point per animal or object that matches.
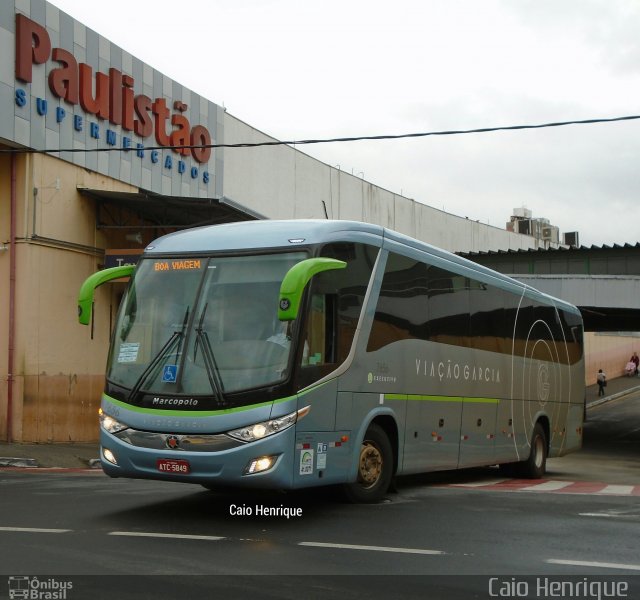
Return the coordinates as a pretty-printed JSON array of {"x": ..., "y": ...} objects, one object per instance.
[{"x": 291, "y": 354}]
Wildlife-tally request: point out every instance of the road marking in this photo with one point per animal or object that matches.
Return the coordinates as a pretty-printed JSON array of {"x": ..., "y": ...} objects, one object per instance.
[
  {"x": 178, "y": 536},
  {"x": 632, "y": 513},
  {"x": 617, "y": 489},
  {"x": 34, "y": 530},
  {"x": 547, "y": 486},
  {"x": 601, "y": 565},
  {"x": 371, "y": 548}
]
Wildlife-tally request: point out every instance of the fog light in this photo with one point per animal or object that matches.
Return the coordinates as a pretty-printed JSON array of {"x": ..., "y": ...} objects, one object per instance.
[
  {"x": 258, "y": 465},
  {"x": 109, "y": 456}
]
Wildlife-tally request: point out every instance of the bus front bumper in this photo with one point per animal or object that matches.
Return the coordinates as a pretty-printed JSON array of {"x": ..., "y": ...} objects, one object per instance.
[{"x": 266, "y": 463}]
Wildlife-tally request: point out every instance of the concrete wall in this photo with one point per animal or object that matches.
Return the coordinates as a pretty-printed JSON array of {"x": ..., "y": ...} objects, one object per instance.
[
  {"x": 281, "y": 182},
  {"x": 609, "y": 352},
  {"x": 613, "y": 291},
  {"x": 4, "y": 287},
  {"x": 59, "y": 365}
]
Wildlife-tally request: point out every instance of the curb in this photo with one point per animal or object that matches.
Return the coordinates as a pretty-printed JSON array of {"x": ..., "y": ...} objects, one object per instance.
[
  {"x": 613, "y": 397},
  {"x": 32, "y": 463},
  {"x": 19, "y": 462}
]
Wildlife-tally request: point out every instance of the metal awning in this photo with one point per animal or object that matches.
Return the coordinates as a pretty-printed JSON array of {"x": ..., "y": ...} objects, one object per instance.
[{"x": 146, "y": 210}]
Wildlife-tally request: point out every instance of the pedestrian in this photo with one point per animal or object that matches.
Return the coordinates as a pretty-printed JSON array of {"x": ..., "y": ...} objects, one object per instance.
[
  {"x": 636, "y": 361},
  {"x": 602, "y": 382}
]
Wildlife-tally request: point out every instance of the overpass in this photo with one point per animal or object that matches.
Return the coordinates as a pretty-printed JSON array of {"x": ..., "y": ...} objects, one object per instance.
[{"x": 602, "y": 281}]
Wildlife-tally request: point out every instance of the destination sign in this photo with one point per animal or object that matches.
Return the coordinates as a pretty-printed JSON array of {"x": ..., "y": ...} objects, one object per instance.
[{"x": 177, "y": 265}]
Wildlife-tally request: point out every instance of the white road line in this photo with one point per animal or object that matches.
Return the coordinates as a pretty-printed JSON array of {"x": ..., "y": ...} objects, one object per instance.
[
  {"x": 178, "y": 536},
  {"x": 617, "y": 489},
  {"x": 371, "y": 548},
  {"x": 601, "y": 565},
  {"x": 34, "y": 530},
  {"x": 605, "y": 515},
  {"x": 547, "y": 486}
]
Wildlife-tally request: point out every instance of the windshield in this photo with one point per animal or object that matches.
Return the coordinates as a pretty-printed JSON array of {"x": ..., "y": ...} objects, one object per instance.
[{"x": 202, "y": 326}]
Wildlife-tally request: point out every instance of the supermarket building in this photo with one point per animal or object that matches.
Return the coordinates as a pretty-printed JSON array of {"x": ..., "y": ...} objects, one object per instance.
[{"x": 88, "y": 179}]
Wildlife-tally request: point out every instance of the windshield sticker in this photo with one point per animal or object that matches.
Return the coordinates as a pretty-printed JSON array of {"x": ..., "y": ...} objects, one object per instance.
[
  {"x": 169, "y": 373},
  {"x": 306, "y": 462},
  {"x": 128, "y": 352}
]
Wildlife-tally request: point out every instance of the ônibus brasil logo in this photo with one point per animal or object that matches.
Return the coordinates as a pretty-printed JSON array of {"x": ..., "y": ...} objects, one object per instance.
[{"x": 24, "y": 587}]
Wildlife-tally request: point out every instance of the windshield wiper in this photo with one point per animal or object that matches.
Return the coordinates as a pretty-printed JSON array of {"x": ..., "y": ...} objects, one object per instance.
[
  {"x": 210, "y": 364},
  {"x": 151, "y": 368}
]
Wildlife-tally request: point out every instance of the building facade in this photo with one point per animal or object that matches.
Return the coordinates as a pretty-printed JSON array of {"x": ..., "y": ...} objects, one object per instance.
[{"x": 89, "y": 171}]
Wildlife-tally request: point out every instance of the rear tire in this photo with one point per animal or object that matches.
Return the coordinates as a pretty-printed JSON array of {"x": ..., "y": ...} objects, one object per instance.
[
  {"x": 536, "y": 465},
  {"x": 375, "y": 468}
]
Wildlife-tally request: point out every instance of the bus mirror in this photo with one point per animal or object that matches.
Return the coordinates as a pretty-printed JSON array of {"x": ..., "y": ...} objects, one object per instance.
[
  {"x": 85, "y": 296},
  {"x": 295, "y": 281}
]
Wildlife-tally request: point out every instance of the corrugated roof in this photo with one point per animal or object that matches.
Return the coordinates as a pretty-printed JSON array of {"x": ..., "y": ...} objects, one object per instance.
[{"x": 521, "y": 251}]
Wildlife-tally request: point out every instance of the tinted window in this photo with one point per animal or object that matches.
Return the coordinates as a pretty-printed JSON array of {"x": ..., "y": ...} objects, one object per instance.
[
  {"x": 448, "y": 307},
  {"x": 572, "y": 326},
  {"x": 421, "y": 301},
  {"x": 488, "y": 326},
  {"x": 401, "y": 312}
]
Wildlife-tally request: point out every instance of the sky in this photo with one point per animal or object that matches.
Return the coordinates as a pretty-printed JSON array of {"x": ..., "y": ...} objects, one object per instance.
[{"x": 299, "y": 70}]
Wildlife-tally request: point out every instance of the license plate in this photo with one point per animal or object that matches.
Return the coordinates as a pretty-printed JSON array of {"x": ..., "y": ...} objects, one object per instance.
[{"x": 170, "y": 465}]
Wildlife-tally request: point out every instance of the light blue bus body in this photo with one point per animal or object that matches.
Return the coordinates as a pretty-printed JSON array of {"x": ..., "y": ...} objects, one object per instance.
[{"x": 401, "y": 358}]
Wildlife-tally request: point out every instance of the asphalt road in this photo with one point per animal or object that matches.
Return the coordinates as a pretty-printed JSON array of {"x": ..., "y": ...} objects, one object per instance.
[
  {"x": 611, "y": 449},
  {"x": 447, "y": 535}
]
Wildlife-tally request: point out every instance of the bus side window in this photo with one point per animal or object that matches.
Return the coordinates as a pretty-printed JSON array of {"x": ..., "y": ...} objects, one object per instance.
[
  {"x": 401, "y": 311},
  {"x": 333, "y": 306}
]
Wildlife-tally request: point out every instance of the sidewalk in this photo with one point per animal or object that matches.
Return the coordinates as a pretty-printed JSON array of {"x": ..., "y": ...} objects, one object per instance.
[
  {"x": 615, "y": 389},
  {"x": 85, "y": 455},
  {"x": 66, "y": 456}
]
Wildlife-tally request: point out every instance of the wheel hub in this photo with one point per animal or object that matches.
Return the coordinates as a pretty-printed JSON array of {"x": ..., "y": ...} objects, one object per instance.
[
  {"x": 538, "y": 449},
  {"x": 370, "y": 464}
]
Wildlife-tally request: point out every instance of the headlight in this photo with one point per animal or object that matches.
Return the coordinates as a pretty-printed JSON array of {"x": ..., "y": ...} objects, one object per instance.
[
  {"x": 257, "y": 431},
  {"x": 110, "y": 424}
]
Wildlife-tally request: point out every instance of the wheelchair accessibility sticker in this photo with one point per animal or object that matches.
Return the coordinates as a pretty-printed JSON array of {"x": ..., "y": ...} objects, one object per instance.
[{"x": 169, "y": 373}]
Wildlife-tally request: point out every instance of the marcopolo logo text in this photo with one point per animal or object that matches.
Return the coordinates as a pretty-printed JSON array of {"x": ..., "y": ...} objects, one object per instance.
[{"x": 175, "y": 401}]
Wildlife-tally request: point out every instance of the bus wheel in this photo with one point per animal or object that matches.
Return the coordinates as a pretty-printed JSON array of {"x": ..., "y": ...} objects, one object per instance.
[
  {"x": 375, "y": 468},
  {"x": 536, "y": 465}
]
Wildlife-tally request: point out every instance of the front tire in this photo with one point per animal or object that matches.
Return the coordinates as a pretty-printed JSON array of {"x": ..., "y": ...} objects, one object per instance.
[{"x": 375, "y": 468}]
